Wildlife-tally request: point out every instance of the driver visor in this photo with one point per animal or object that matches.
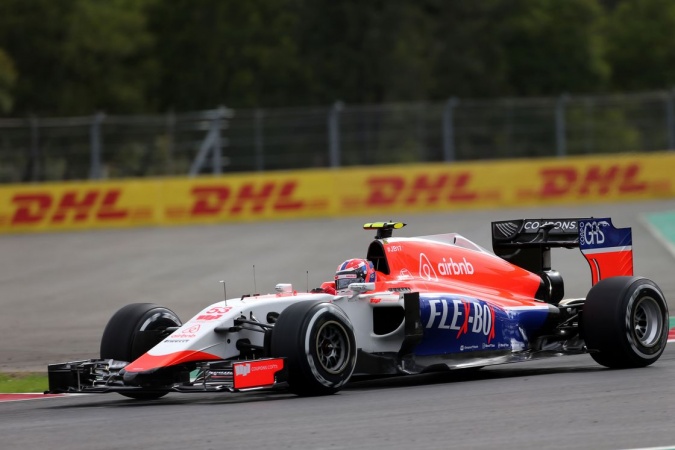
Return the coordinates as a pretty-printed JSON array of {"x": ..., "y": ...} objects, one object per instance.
[{"x": 343, "y": 280}]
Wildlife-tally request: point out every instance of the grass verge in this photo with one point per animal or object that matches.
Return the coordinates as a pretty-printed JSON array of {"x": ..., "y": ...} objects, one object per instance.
[{"x": 23, "y": 382}]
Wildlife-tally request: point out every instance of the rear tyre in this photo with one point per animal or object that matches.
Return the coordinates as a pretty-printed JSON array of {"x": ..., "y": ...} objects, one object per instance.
[
  {"x": 132, "y": 331},
  {"x": 317, "y": 340},
  {"x": 625, "y": 322}
]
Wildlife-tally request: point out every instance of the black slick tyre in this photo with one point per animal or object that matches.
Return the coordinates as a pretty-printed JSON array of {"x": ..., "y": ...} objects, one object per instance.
[
  {"x": 625, "y": 322},
  {"x": 132, "y": 331},
  {"x": 317, "y": 340}
]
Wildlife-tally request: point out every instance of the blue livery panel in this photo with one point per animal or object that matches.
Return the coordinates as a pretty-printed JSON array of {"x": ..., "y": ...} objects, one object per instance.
[{"x": 460, "y": 324}]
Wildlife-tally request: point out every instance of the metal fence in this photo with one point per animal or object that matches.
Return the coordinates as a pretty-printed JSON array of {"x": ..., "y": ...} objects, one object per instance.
[{"x": 226, "y": 140}]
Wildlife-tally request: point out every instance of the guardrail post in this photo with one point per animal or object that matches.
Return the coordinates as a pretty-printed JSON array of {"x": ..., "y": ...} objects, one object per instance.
[
  {"x": 334, "y": 134},
  {"x": 449, "y": 153},
  {"x": 217, "y": 157},
  {"x": 96, "y": 146},
  {"x": 170, "y": 139},
  {"x": 259, "y": 140},
  {"x": 34, "y": 167},
  {"x": 560, "y": 126},
  {"x": 670, "y": 118}
]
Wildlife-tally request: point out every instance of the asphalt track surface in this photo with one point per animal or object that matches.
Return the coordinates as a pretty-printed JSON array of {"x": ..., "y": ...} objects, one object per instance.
[{"x": 57, "y": 292}]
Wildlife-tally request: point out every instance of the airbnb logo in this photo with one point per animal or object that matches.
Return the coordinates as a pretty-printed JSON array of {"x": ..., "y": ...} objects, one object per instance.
[{"x": 426, "y": 269}]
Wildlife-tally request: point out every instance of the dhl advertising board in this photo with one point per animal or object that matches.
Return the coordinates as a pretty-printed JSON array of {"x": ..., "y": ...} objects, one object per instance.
[{"x": 369, "y": 191}]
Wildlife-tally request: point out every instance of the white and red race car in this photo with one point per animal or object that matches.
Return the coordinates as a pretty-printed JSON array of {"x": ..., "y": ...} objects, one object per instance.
[{"x": 436, "y": 302}]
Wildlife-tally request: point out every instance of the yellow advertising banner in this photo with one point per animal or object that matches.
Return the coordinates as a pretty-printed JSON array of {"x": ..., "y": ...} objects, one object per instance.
[{"x": 335, "y": 192}]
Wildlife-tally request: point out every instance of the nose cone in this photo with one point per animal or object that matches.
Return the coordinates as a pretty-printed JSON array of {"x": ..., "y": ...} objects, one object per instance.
[{"x": 148, "y": 363}]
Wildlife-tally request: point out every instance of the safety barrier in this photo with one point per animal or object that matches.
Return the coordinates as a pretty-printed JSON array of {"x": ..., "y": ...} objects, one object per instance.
[{"x": 373, "y": 191}]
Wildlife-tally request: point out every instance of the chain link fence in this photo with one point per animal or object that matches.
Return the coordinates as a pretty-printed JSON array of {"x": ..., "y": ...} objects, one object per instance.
[{"x": 225, "y": 140}]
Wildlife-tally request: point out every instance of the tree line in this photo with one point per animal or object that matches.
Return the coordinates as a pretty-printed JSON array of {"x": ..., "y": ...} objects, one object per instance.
[{"x": 74, "y": 57}]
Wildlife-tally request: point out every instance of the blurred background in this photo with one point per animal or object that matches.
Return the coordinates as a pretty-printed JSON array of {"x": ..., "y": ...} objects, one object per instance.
[{"x": 132, "y": 88}]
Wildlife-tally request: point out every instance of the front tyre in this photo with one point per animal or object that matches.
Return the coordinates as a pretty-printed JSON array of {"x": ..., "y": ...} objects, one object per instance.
[
  {"x": 132, "y": 331},
  {"x": 317, "y": 340},
  {"x": 625, "y": 322}
]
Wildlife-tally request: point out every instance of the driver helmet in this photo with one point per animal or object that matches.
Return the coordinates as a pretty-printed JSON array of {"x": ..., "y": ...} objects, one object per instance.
[{"x": 354, "y": 271}]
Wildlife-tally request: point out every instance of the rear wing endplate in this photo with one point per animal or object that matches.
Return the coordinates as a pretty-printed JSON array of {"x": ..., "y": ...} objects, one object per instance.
[{"x": 528, "y": 242}]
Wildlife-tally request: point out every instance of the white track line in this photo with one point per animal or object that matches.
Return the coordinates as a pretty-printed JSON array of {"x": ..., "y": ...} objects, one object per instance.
[{"x": 672, "y": 447}]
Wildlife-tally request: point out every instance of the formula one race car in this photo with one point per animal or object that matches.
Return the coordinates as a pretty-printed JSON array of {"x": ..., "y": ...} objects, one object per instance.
[{"x": 412, "y": 305}]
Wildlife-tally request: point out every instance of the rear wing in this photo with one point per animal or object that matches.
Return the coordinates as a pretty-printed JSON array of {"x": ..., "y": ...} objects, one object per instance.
[{"x": 528, "y": 242}]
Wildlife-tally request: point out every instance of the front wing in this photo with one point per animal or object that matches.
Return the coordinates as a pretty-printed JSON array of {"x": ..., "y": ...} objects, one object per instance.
[{"x": 107, "y": 375}]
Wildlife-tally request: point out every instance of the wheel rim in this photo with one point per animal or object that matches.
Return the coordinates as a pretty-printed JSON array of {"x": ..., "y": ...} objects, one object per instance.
[
  {"x": 332, "y": 347},
  {"x": 647, "y": 325},
  {"x": 160, "y": 320}
]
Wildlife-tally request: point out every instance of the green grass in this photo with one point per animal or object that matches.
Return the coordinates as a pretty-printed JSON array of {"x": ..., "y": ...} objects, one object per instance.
[{"x": 23, "y": 382}]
